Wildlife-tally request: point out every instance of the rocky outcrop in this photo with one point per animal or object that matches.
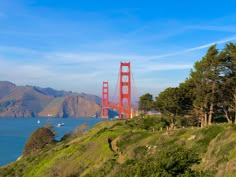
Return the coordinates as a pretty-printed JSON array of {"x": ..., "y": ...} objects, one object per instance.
[
  {"x": 71, "y": 106},
  {"x": 75, "y": 106}
]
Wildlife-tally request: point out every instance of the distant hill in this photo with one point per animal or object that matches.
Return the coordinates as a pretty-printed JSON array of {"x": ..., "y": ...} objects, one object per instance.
[
  {"x": 30, "y": 101},
  {"x": 70, "y": 106},
  {"x": 5, "y": 88}
]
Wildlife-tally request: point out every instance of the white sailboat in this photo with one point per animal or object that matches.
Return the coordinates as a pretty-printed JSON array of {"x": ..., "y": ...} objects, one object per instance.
[{"x": 61, "y": 124}]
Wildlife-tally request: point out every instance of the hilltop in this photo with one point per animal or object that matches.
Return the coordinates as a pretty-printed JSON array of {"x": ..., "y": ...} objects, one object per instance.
[
  {"x": 30, "y": 101},
  {"x": 137, "y": 147}
]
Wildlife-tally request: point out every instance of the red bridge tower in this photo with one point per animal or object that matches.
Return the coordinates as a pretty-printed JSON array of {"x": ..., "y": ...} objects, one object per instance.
[
  {"x": 124, "y": 105},
  {"x": 125, "y": 90},
  {"x": 105, "y": 98}
]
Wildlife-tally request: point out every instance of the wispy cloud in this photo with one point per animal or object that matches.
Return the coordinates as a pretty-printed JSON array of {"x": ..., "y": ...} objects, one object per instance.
[
  {"x": 166, "y": 67},
  {"x": 77, "y": 57},
  {"x": 229, "y": 39},
  {"x": 232, "y": 38},
  {"x": 86, "y": 67},
  {"x": 108, "y": 62},
  {"x": 19, "y": 71},
  {"x": 81, "y": 57},
  {"x": 18, "y": 50},
  {"x": 31, "y": 34},
  {"x": 213, "y": 28}
]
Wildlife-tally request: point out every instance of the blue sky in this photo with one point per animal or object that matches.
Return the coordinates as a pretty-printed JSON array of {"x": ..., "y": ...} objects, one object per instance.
[{"x": 75, "y": 45}]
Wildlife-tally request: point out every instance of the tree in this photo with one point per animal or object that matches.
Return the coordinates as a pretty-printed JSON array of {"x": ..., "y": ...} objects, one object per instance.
[
  {"x": 186, "y": 99},
  {"x": 167, "y": 102},
  {"x": 228, "y": 84},
  {"x": 186, "y": 96},
  {"x": 146, "y": 102},
  {"x": 38, "y": 140},
  {"x": 206, "y": 77}
]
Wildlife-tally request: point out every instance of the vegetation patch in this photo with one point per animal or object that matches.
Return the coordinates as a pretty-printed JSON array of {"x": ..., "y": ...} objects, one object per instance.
[
  {"x": 39, "y": 139},
  {"x": 205, "y": 136}
]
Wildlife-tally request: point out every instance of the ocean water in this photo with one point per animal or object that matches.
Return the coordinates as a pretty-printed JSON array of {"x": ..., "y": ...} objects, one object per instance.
[{"x": 14, "y": 133}]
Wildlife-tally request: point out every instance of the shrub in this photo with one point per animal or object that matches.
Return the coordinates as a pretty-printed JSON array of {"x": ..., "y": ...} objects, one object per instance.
[
  {"x": 77, "y": 131},
  {"x": 38, "y": 140},
  {"x": 173, "y": 161},
  {"x": 148, "y": 123}
]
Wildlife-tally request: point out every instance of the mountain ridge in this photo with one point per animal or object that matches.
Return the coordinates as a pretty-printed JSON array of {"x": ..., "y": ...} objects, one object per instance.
[{"x": 31, "y": 101}]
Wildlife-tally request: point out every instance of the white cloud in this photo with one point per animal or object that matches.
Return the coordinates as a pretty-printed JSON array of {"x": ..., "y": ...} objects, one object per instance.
[
  {"x": 17, "y": 72},
  {"x": 80, "y": 57},
  {"x": 229, "y": 39},
  {"x": 18, "y": 50},
  {"x": 165, "y": 67},
  {"x": 232, "y": 38},
  {"x": 214, "y": 28},
  {"x": 75, "y": 70}
]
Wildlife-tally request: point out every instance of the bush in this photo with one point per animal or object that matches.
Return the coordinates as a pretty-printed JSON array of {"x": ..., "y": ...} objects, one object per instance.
[
  {"x": 171, "y": 162},
  {"x": 38, "y": 140},
  {"x": 148, "y": 123},
  {"x": 77, "y": 131}
]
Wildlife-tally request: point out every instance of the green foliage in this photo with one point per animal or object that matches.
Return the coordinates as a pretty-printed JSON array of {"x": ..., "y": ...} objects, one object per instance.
[
  {"x": 146, "y": 102},
  {"x": 131, "y": 138},
  {"x": 104, "y": 171},
  {"x": 148, "y": 123},
  {"x": 174, "y": 161},
  {"x": 130, "y": 148},
  {"x": 207, "y": 135},
  {"x": 208, "y": 93},
  {"x": 168, "y": 101}
]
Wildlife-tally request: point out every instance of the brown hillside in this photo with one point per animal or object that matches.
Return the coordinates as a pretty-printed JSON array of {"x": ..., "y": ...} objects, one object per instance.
[
  {"x": 54, "y": 109},
  {"x": 5, "y": 88},
  {"x": 30, "y": 101},
  {"x": 71, "y": 106},
  {"x": 23, "y": 102}
]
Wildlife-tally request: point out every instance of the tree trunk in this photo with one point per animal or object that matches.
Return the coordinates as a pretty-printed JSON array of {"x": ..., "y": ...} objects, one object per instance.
[
  {"x": 210, "y": 114},
  {"x": 234, "y": 106},
  {"x": 202, "y": 122},
  {"x": 201, "y": 115},
  {"x": 172, "y": 124},
  {"x": 229, "y": 120},
  {"x": 205, "y": 119},
  {"x": 235, "y": 117}
]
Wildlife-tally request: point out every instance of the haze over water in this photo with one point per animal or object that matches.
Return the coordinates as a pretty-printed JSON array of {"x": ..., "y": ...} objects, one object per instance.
[{"x": 14, "y": 132}]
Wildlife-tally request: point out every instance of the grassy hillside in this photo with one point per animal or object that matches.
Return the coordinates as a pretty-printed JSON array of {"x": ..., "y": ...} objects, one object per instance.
[{"x": 137, "y": 147}]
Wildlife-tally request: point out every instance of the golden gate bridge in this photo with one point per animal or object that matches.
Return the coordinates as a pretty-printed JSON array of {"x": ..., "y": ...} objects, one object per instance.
[{"x": 124, "y": 104}]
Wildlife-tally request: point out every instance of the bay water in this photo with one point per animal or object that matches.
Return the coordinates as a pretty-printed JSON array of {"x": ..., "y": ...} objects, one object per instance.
[{"x": 14, "y": 132}]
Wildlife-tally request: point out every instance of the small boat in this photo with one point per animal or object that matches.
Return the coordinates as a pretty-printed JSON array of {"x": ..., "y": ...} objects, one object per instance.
[
  {"x": 61, "y": 124},
  {"x": 38, "y": 121}
]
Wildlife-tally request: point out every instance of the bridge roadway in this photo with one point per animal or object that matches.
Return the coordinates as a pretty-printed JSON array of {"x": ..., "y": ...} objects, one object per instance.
[{"x": 128, "y": 111}]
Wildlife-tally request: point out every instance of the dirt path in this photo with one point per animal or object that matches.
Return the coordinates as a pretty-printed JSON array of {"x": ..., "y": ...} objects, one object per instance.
[{"x": 121, "y": 157}]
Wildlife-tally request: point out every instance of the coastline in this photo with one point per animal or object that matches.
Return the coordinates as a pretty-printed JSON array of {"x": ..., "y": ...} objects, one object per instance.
[{"x": 16, "y": 131}]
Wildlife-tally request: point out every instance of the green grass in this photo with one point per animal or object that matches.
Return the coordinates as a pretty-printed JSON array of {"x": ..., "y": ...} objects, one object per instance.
[
  {"x": 90, "y": 154},
  {"x": 205, "y": 136}
]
